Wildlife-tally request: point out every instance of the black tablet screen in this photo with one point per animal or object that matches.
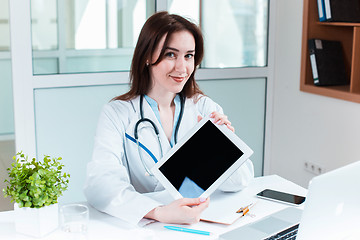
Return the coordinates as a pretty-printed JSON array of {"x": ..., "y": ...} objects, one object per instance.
[{"x": 200, "y": 161}]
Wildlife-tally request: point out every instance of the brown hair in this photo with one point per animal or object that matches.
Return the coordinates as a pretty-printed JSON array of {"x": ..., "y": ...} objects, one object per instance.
[{"x": 157, "y": 26}]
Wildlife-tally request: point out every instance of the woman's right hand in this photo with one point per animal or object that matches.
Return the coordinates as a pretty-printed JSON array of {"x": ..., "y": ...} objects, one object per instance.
[{"x": 181, "y": 211}]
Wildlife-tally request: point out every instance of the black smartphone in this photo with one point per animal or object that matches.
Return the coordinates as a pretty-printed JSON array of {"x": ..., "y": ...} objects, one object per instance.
[{"x": 281, "y": 197}]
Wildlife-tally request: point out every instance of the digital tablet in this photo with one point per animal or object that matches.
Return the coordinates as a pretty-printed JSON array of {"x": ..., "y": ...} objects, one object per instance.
[{"x": 201, "y": 161}]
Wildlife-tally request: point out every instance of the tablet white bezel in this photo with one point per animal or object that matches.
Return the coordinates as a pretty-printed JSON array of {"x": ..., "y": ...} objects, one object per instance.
[{"x": 247, "y": 152}]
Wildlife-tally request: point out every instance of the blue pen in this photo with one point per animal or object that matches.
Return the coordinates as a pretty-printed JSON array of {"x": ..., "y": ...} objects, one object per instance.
[{"x": 189, "y": 230}]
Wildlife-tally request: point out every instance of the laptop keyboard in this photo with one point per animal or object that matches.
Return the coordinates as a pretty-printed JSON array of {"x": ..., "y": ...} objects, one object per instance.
[{"x": 289, "y": 234}]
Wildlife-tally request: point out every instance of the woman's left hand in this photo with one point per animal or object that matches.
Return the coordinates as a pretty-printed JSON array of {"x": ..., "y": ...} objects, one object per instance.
[{"x": 220, "y": 119}]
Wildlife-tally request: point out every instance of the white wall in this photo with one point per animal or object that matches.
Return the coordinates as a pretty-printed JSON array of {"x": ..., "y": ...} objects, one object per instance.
[{"x": 305, "y": 126}]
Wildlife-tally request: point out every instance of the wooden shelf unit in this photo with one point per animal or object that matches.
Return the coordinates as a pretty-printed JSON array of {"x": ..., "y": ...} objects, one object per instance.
[{"x": 349, "y": 35}]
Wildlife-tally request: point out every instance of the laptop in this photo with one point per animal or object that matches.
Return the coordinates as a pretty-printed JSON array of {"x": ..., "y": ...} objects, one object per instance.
[{"x": 331, "y": 211}]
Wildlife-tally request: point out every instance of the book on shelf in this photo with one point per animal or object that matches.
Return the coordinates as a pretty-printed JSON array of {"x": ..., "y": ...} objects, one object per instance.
[
  {"x": 321, "y": 10},
  {"x": 341, "y": 10},
  {"x": 327, "y": 62}
]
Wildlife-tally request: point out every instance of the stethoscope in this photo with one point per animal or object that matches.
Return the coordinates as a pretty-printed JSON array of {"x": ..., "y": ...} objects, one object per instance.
[{"x": 143, "y": 119}]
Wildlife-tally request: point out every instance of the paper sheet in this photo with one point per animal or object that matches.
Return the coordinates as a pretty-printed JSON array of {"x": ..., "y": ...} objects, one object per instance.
[{"x": 223, "y": 207}]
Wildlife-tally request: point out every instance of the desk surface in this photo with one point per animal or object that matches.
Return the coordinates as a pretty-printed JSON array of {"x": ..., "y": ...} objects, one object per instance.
[{"x": 103, "y": 226}]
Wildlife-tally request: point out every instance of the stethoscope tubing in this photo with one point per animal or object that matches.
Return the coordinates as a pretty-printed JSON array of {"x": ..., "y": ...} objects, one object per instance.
[{"x": 156, "y": 130}]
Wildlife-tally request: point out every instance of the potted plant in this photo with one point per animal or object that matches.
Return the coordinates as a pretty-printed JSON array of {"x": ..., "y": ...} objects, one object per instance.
[{"x": 35, "y": 187}]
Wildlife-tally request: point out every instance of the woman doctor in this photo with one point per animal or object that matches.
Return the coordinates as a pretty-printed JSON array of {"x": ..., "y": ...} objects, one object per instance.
[{"x": 163, "y": 90}]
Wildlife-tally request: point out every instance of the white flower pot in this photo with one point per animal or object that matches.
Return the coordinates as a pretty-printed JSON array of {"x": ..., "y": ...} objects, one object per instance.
[{"x": 36, "y": 222}]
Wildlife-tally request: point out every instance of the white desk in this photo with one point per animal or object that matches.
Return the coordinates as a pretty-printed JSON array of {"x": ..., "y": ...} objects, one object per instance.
[{"x": 103, "y": 226}]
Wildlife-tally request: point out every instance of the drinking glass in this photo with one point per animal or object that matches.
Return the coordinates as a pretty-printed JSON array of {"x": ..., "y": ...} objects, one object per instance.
[{"x": 74, "y": 220}]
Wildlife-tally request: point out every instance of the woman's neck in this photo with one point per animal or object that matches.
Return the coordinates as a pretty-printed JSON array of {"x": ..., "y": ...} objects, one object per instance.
[
  {"x": 163, "y": 100},
  {"x": 166, "y": 107}
]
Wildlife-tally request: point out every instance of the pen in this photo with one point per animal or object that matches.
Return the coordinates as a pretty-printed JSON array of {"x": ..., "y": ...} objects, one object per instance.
[
  {"x": 189, "y": 230},
  {"x": 246, "y": 209}
]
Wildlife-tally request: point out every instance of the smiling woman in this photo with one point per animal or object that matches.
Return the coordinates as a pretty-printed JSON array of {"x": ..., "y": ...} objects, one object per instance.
[
  {"x": 171, "y": 74},
  {"x": 166, "y": 55},
  {"x": 76, "y": 99}
]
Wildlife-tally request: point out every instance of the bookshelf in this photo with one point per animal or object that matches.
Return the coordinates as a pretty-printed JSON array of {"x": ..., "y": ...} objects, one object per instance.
[{"x": 349, "y": 35}]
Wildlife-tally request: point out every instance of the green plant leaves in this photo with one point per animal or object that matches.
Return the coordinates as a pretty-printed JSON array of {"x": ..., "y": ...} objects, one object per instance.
[{"x": 35, "y": 184}]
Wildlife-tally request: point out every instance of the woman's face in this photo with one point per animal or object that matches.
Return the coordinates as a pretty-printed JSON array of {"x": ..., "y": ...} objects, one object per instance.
[{"x": 177, "y": 65}]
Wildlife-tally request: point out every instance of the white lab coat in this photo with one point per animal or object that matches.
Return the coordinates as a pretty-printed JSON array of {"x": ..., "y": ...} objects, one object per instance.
[{"x": 116, "y": 181}]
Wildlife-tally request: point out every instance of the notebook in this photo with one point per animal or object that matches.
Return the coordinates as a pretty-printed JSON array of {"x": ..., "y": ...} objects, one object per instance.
[
  {"x": 201, "y": 161},
  {"x": 331, "y": 211}
]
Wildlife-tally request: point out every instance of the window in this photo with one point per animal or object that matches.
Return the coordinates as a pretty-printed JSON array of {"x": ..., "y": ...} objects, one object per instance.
[
  {"x": 4, "y": 26},
  {"x": 7, "y": 141},
  {"x": 236, "y": 37},
  {"x": 73, "y": 36},
  {"x": 6, "y": 96}
]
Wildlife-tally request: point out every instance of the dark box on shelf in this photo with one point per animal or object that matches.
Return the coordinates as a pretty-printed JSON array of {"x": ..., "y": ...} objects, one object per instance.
[
  {"x": 342, "y": 10},
  {"x": 327, "y": 62}
]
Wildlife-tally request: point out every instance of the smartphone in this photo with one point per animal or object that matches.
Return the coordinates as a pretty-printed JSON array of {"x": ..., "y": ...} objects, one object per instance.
[{"x": 281, "y": 197}]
